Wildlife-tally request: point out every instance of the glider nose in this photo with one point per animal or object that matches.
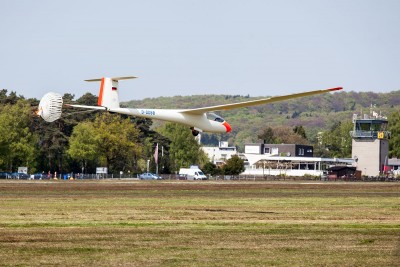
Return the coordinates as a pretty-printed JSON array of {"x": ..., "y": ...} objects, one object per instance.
[{"x": 227, "y": 126}]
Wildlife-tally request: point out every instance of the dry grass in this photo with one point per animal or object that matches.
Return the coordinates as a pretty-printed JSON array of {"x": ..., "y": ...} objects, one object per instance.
[{"x": 136, "y": 223}]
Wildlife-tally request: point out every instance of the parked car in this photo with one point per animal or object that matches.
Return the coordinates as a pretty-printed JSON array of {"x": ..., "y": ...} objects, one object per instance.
[
  {"x": 40, "y": 176},
  {"x": 182, "y": 177},
  {"x": 19, "y": 175},
  {"x": 149, "y": 176},
  {"x": 5, "y": 175}
]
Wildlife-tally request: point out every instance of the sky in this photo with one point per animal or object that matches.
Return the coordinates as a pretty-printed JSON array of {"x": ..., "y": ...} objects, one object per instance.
[{"x": 186, "y": 47}]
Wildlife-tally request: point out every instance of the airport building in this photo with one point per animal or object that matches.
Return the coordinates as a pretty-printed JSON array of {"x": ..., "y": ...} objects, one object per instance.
[
  {"x": 276, "y": 159},
  {"x": 288, "y": 160},
  {"x": 289, "y": 150},
  {"x": 218, "y": 155},
  {"x": 370, "y": 144}
]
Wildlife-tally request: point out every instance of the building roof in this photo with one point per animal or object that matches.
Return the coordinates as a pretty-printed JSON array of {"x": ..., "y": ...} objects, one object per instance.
[
  {"x": 394, "y": 162},
  {"x": 253, "y": 158}
]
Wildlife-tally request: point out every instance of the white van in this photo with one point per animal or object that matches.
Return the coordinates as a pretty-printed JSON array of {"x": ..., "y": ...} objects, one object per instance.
[{"x": 192, "y": 173}]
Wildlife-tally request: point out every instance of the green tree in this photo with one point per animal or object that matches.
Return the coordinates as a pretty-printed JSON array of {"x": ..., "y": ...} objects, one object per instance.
[
  {"x": 234, "y": 166},
  {"x": 337, "y": 141},
  {"x": 267, "y": 135},
  {"x": 300, "y": 131},
  {"x": 110, "y": 139},
  {"x": 117, "y": 141},
  {"x": 209, "y": 139},
  {"x": 17, "y": 143},
  {"x": 211, "y": 169},
  {"x": 83, "y": 145},
  {"x": 87, "y": 99},
  {"x": 286, "y": 135},
  {"x": 52, "y": 143},
  {"x": 394, "y": 128},
  {"x": 184, "y": 149}
]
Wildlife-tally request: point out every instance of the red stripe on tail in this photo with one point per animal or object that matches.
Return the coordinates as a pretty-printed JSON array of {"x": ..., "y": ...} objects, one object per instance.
[{"x": 100, "y": 99}]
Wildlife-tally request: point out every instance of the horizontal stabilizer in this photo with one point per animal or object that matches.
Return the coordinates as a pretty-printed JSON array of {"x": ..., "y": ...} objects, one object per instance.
[
  {"x": 114, "y": 79},
  {"x": 87, "y": 107}
]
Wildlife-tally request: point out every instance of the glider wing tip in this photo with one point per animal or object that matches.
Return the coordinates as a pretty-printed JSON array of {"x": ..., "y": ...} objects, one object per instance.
[{"x": 336, "y": 89}]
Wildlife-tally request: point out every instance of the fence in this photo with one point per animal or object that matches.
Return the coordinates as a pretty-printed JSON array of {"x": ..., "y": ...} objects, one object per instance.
[{"x": 78, "y": 176}]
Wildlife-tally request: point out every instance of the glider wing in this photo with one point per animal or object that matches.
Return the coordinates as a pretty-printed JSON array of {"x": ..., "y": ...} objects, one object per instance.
[{"x": 257, "y": 102}]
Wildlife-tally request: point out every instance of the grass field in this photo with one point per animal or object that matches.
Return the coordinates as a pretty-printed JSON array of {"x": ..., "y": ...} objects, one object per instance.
[{"x": 177, "y": 223}]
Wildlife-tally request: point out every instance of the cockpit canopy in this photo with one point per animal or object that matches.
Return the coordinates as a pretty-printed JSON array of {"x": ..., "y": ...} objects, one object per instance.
[{"x": 214, "y": 117}]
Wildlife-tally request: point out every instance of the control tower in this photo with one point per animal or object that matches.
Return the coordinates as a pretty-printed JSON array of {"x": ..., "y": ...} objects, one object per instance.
[{"x": 370, "y": 145}]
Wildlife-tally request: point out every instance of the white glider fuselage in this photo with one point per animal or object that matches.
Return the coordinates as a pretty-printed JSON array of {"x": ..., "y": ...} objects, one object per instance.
[{"x": 199, "y": 121}]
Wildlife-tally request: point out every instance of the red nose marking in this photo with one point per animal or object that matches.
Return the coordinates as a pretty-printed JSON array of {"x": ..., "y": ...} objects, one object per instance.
[{"x": 227, "y": 126}]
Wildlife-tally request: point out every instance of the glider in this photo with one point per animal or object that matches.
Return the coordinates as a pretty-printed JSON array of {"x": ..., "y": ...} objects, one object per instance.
[{"x": 198, "y": 119}]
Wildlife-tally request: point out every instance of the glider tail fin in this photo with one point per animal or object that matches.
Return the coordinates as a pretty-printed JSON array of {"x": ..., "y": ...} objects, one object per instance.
[{"x": 108, "y": 95}]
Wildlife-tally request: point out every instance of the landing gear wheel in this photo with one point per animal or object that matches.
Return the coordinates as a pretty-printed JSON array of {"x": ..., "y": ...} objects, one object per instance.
[{"x": 195, "y": 133}]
